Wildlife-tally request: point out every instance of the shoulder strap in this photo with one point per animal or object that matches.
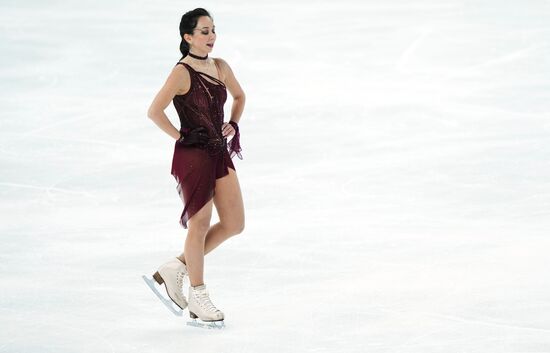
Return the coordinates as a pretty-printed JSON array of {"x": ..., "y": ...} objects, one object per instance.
[
  {"x": 180, "y": 63},
  {"x": 187, "y": 66}
]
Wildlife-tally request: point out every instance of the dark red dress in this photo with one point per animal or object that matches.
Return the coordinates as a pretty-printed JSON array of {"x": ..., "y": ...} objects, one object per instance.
[{"x": 197, "y": 168}]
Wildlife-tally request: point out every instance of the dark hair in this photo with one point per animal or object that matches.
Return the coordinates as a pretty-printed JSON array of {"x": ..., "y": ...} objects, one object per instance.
[{"x": 187, "y": 24}]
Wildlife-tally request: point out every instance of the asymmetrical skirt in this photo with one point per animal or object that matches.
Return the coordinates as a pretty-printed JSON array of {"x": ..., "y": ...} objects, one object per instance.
[{"x": 196, "y": 170}]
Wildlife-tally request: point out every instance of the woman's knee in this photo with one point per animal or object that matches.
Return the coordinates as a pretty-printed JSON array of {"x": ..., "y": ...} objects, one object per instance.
[
  {"x": 198, "y": 226},
  {"x": 234, "y": 227},
  {"x": 199, "y": 223}
]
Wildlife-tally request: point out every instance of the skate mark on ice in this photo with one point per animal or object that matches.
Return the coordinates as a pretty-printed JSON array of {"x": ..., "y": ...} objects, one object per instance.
[
  {"x": 59, "y": 339},
  {"x": 47, "y": 189},
  {"x": 168, "y": 303},
  {"x": 467, "y": 320},
  {"x": 485, "y": 322},
  {"x": 60, "y": 122},
  {"x": 424, "y": 32},
  {"x": 503, "y": 59},
  {"x": 417, "y": 340}
]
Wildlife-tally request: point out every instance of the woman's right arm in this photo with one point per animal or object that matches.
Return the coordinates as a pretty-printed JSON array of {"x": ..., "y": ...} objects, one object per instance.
[{"x": 178, "y": 80}]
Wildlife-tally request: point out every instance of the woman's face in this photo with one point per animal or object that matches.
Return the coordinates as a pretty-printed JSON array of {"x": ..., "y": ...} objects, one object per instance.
[{"x": 204, "y": 35}]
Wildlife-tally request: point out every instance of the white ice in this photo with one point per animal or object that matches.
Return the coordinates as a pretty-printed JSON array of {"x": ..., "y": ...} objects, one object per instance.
[{"x": 396, "y": 177}]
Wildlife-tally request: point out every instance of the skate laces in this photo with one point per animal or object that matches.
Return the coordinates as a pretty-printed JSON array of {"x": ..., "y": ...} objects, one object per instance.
[
  {"x": 204, "y": 300},
  {"x": 179, "y": 282}
]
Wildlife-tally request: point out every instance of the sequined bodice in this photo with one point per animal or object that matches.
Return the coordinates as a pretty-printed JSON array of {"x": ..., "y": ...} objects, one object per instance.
[{"x": 203, "y": 105}]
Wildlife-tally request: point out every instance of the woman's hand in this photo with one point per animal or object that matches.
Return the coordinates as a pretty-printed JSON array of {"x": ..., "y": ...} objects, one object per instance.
[{"x": 228, "y": 130}]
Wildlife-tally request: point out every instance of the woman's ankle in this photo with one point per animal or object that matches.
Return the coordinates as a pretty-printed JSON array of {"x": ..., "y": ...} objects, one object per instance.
[{"x": 181, "y": 258}]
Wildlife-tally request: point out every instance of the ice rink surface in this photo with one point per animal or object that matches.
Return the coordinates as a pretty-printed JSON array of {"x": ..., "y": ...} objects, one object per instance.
[{"x": 396, "y": 177}]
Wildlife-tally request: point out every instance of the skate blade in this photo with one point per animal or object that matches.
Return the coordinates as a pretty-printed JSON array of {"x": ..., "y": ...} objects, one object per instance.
[
  {"x": 168, "y": 303},
  {"x": 218, "y": 325}
]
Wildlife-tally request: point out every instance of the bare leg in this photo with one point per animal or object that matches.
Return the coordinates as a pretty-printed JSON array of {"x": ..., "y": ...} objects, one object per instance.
[
  {"x": 194, "y": 243},
  {"x": 229, "y": 205}
]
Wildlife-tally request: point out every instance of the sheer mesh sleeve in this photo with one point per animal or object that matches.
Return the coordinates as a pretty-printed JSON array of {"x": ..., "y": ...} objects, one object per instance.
[{"x": 234, "y": 146}]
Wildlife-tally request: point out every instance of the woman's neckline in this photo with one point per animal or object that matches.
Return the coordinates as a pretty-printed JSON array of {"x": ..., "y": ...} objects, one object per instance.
[{"x": 204, "y": 73}]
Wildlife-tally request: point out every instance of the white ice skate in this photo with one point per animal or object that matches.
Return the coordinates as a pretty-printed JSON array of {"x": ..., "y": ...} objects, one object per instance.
[
  {"x": 201, "y": 307},
  {"x": 172, "y": 275}
]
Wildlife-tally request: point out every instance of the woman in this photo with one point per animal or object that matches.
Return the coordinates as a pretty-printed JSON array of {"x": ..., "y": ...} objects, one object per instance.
[{"x": 201, "y": 164}]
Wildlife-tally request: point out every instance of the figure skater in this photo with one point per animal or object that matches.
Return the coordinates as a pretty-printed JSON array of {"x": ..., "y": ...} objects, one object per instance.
[{"x": 201, "y": 165}]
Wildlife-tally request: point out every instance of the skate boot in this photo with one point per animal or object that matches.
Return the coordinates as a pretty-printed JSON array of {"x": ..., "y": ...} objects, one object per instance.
[
  {"x": 172, "y": 274},
  {"x": 200, "y": 305}
]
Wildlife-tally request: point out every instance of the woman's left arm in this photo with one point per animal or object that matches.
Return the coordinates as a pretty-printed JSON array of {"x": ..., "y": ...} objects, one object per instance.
[
  {"x": 239, "y": 98},
  {"x": 234, "y": 89}
]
